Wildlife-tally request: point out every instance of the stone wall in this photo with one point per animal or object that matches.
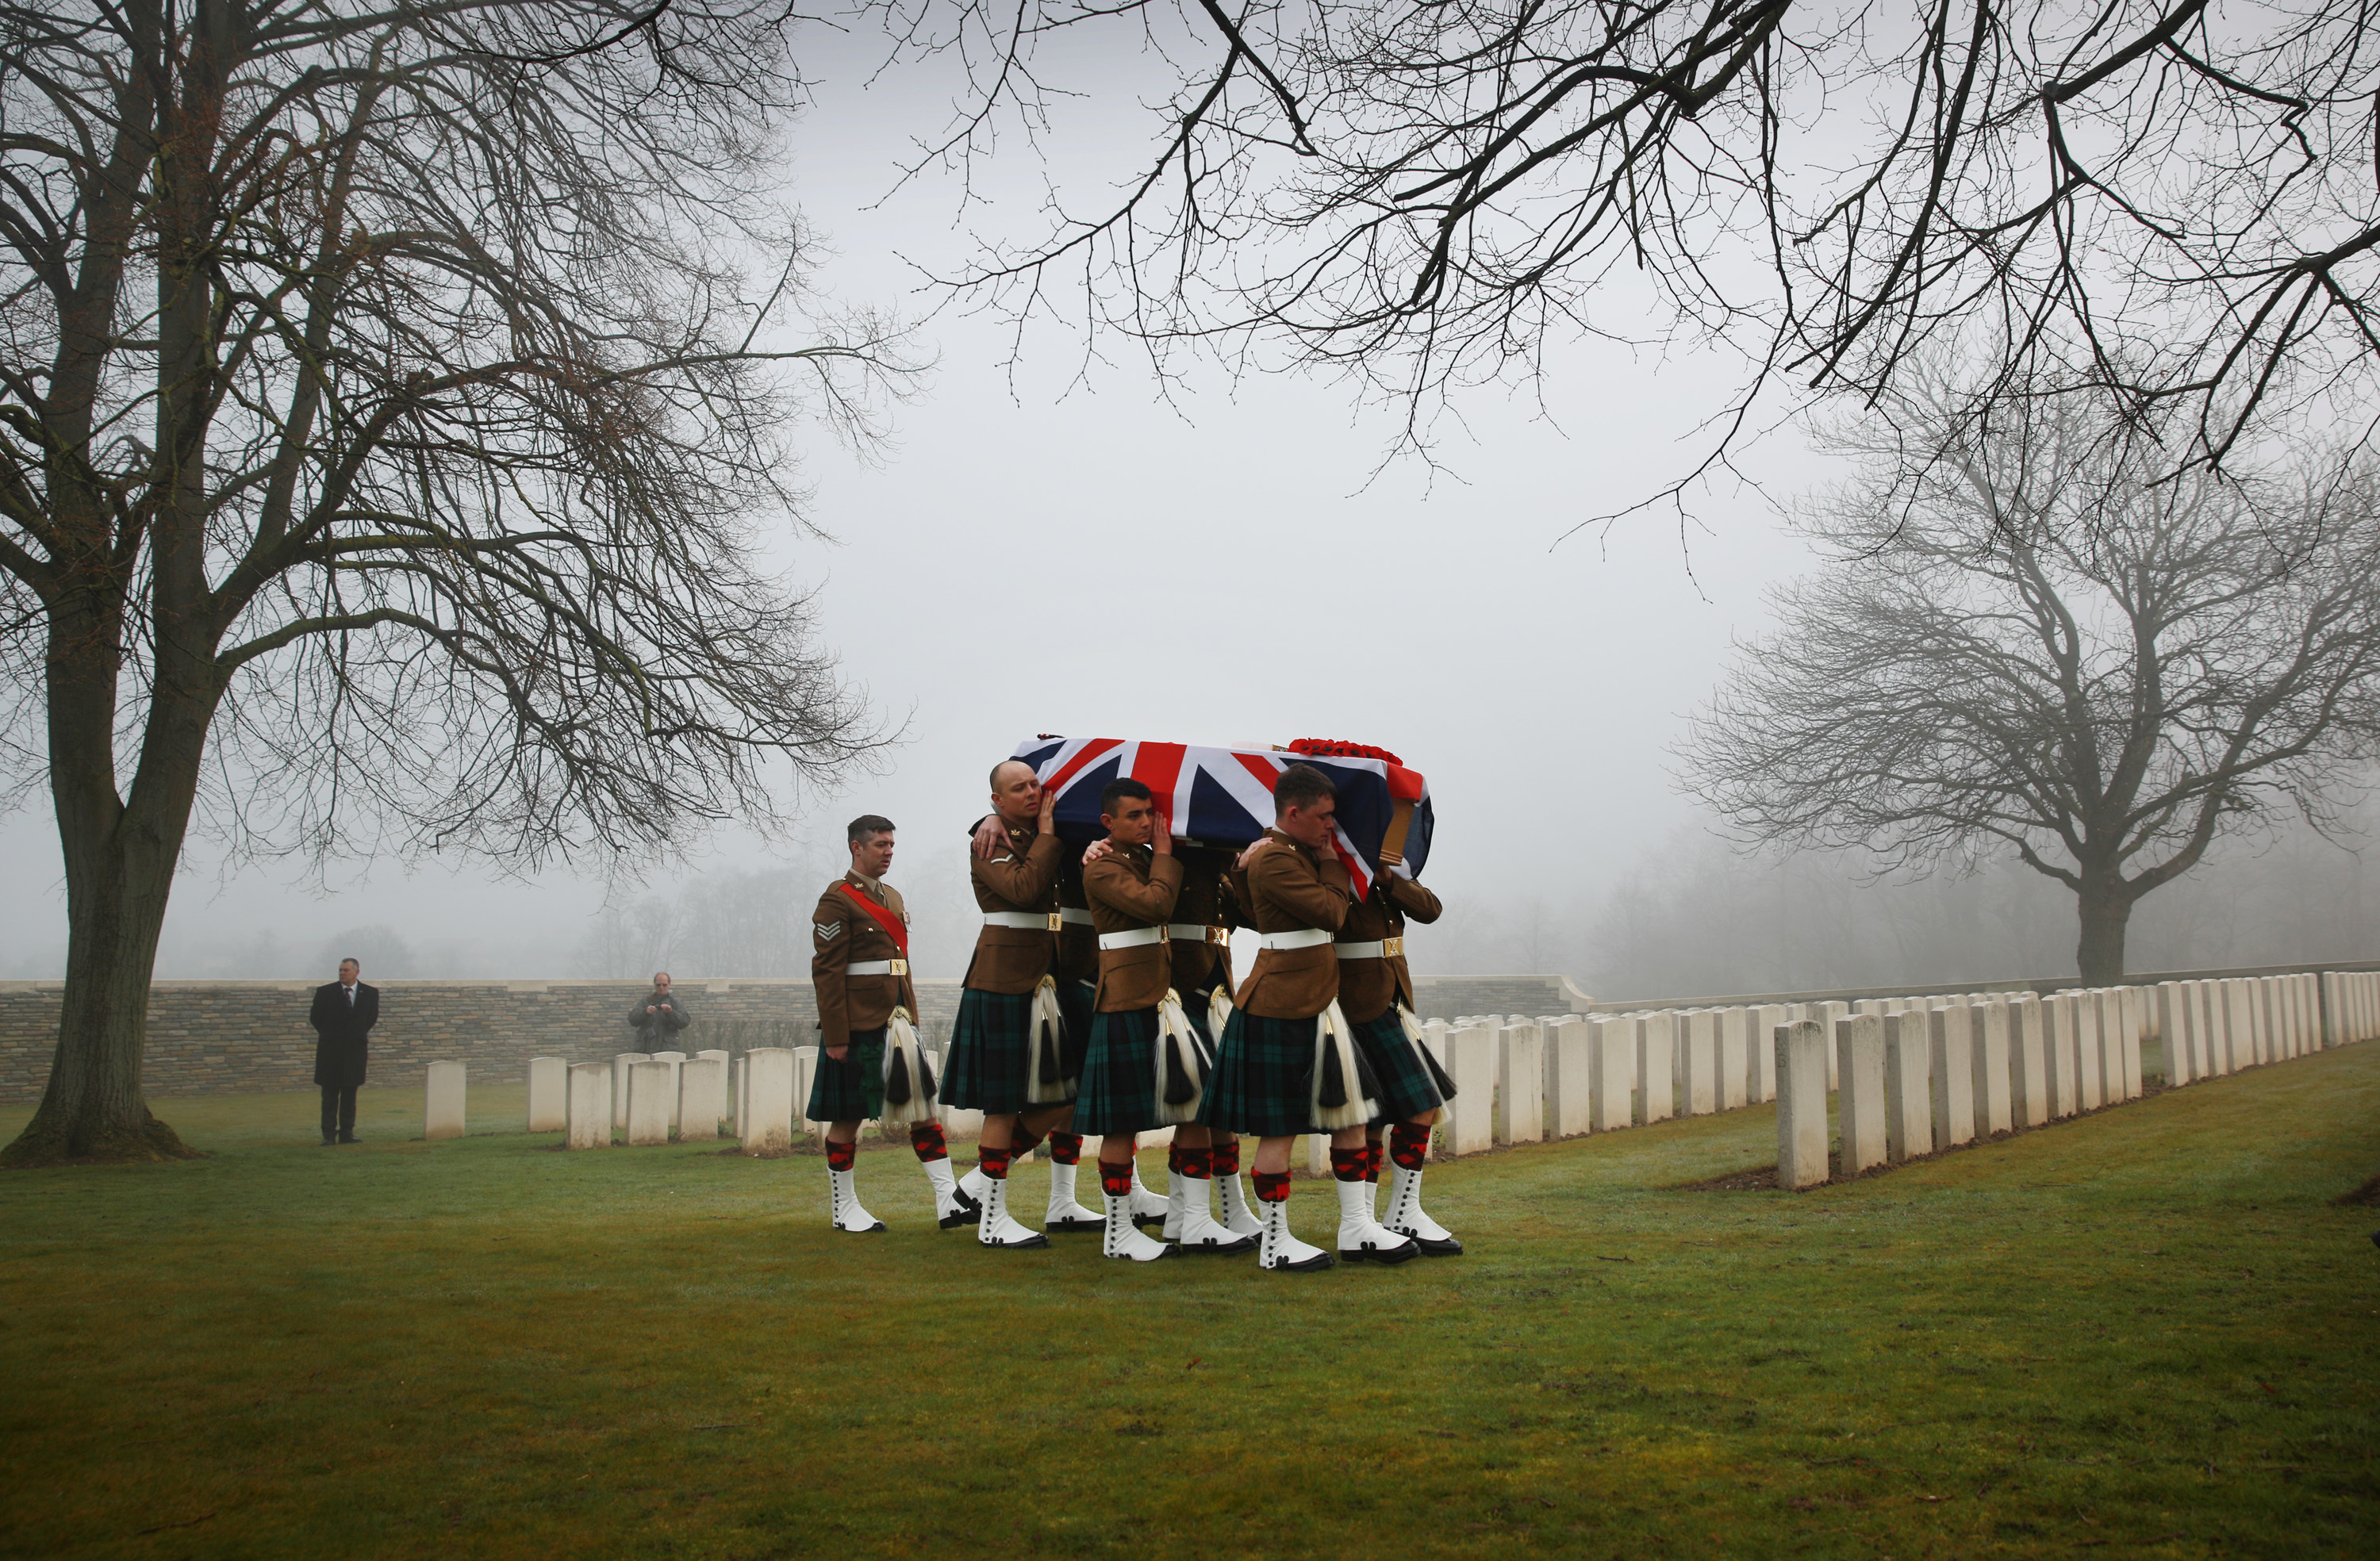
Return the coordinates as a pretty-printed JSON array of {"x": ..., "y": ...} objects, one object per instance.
[{"x": 226, "y": 1037}]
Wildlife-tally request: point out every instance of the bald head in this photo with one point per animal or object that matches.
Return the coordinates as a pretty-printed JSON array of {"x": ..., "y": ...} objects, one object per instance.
[{"x": 1015, "y": 793}]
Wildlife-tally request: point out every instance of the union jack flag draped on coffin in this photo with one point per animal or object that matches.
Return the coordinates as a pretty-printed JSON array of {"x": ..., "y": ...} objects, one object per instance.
[{"x": 1223, "y": 796}]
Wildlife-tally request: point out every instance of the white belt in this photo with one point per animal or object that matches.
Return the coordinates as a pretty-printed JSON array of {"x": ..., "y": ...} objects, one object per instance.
[
  {"x": 1138, "y": 938},
  {"x": 1030, "y": 921},
  {"x": 877, "y": 967},
  {"x": 1198, "y": 932},
  {"x": 1385, "y": 949},
  {"x": 1078, "y": 914},
  {"x": 1304, "y": 938}
]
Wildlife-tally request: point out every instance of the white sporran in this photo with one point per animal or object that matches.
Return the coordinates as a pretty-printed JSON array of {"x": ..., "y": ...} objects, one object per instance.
[
  {"x": 909, "y": 1083},
  {"x": 1045, "y": 1080},
  {"x": 1343, "y": 1085},
  {"x": 1182, "y": 1063}
]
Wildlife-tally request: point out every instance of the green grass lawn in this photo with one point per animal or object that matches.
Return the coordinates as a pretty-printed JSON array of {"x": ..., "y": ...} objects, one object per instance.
[{"x": 2147, "y": 1333}]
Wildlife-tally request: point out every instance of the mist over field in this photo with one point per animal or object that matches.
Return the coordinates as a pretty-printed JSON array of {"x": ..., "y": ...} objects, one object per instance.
[{"x": 1055, "y": 543}]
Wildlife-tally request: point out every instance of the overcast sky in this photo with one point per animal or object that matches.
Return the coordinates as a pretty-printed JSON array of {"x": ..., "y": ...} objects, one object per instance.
[{"x": 1034, "y": 553}]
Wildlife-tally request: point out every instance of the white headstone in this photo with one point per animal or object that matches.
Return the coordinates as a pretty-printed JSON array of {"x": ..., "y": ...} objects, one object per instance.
[
  {"x": 1519, "y": 1084},
  {"x": 2240, "y": 1006},
  {"x": 549, "y": 1086},
  {"x": 767, "y": 1100},
  {"x": 1760, "y": 1085},
  {"x": 590, "y": 1126},
  {"x": 1611, "y": 1070},
  {"x": 2029, "y": 1092},
  {"x": 620, "y": 1065},
  {"x": 652, "y": 1094},
  {"x": 2172, "y": 1022},
  {"x": 2090, "y": 1084},
  {"x": 1657, "y": 1047},
  {"x": 805, "y": 1075},
  {"x": 1472, "y": 1063},
  {"x": 443, "y": 1114},
  {"x": 1827, "y": 1014},
  {"x": 1995, "y": 1107},
  {"x": 702, "y": 1098},
  {"x": 1698, "y": 1062},
  {"x": 1859, "y": 1079},
  {"x": 1569, "y": 1089},
  {"x": 739, "y": 1098},
  {"x": 727, "y": 1073},
  {"x": 1908, "y": 1103},
  {"x": 1950, "y": 1042},
  {"x": 1734, "y": 1055},
  {"x": 1798, "y": 1053}
]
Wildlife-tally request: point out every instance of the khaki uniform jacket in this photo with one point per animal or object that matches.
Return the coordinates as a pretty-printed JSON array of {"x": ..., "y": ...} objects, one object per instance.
[
  {"x": 1206, "y": 900},
  {"x": 1133, "y": 887},
  {"x": 1367, "y": 987},
  {"x": 1078, "y": 940},
  {"x": 1288, "y": 888},
  {"x": 844, "y": 935},
  {"x": 1022, "y": 877}
]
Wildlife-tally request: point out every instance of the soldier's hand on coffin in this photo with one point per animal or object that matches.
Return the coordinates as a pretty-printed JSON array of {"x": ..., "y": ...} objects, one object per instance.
[
  {"x": 1096, "y": 849},
  {"x": 1048, "y": 818},
  {"x": 1161, "y": 841},
  {"x": 989, "y": 835}
]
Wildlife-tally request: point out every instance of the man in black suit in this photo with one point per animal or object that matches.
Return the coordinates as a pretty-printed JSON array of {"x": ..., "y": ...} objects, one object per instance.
[{"x": 344, "y": 1013}]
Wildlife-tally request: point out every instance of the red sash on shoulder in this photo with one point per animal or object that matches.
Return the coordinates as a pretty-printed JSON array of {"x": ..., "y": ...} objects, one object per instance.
[{"x": 894, "y": 927}]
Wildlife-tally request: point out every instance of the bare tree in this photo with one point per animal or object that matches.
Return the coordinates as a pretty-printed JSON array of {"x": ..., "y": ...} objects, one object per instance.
[
  {"x": 2020, "y": 641},
  {"x": 2181, "y": 196},
  {"x": 387, "y": 418}
]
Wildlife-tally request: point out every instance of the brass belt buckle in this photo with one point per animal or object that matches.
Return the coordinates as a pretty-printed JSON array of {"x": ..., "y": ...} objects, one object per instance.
[
  {"x": 900, "y": 967},
  {"x": 1392, "y": 948},
  {"x": 1219, "y": 935},
  {"x": 1057, "y": 921}
]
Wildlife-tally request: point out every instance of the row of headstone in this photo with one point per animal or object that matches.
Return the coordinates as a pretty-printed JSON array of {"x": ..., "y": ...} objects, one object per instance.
[
  {"x": 1976, "y": 1064},
  {"x": 1918, "y": 1074}
]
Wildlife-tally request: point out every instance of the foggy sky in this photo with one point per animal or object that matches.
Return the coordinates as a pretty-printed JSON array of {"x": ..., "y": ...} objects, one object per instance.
[{"x": 1039, "y": 553}]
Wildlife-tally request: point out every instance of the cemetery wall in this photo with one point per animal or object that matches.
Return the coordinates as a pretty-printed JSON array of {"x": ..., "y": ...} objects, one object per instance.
[{"x": 226, "y": 1037}]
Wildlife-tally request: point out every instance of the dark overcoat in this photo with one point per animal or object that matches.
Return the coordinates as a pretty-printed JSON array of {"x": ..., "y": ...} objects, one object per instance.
[{"x": 342, "y": 1034}]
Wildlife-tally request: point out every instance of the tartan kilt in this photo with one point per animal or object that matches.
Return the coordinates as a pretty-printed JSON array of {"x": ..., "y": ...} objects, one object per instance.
[
  {"x": 1119, "y": 1085},
  {"x": 991, "y": 1048},
  {"x": 852, "y": 1090},
  {"x": 1406, "y": 1087},
  {"x": 1263, "y": 1080},
  {"x": 1076, "y": 1000}
]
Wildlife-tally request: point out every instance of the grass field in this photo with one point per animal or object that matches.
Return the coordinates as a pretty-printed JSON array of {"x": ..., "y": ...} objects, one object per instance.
[{"x": 2147, "y": 1333}]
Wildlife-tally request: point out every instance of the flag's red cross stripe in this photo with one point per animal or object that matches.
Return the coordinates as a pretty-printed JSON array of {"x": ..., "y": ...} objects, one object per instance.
[
  {"x": 893, "y": 926},
  {"x": 1082, "y": 758},
  {"x": 1158, "y": 766}
]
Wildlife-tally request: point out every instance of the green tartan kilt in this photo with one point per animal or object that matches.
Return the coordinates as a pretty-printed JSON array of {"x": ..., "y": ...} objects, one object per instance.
[
  {"x": 1263, "y": 1078},
  {"x": 1119, "y": 1089},
  {"x": 1406, "y": 1087},
  {"x": 991, "y": 1047},
  {"x": 852, "y": 1090}
]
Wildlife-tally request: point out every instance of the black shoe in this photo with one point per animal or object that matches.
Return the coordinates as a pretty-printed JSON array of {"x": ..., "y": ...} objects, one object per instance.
[
  {"x": 349, "y": 1138},
  {"x": 1449, "y": 1247},
  {"x": 328, "y": 1141}
]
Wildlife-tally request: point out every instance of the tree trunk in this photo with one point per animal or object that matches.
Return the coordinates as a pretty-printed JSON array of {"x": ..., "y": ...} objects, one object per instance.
[
  {"x": 2105, "y": 909},
  {"x": 94, "y": 1109},
  {"x": 119, "y": 869}
]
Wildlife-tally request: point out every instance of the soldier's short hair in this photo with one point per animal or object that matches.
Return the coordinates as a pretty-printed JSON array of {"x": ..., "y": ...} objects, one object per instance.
[
  {"x": 868, "y": 824},
  {"x": 1001, "y": 766},
  {"x": 1122, "y": 786},
  {"x": 1300, "y": 785}
]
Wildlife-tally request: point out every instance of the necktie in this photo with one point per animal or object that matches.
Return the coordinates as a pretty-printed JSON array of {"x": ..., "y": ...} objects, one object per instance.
[{"x": 351, "y": 995}]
